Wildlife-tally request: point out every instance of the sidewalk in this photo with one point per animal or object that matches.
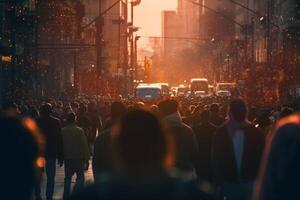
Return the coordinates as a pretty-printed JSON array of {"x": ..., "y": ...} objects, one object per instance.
[{"x": 59, "y": 182}]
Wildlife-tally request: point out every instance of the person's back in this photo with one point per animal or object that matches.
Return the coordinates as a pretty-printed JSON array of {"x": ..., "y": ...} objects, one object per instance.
[
  {"x": 102, "y": 159},
  {"x": 205, "y": 132},
  {"x": 75, "y": 144},
  {"x": 51, "y": 129},
  {"x": 76, "y": 154},
  {"x": 186, "y": 157},
  {"x": 20, "y": 150},
  {"x": 143, "y": 156},
  {"x": 215, "y": 117},
  {"x": 280, "y": 175},
  {"x": 166, "y": 188}
]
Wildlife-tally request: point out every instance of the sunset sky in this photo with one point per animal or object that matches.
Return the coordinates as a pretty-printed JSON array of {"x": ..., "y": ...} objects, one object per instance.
[{"x": 148, "y": 17}]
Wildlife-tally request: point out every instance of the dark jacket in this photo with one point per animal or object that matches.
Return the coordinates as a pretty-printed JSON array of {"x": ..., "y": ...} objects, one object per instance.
[
  {"x": 216, "y": 119},
  {"x": 225, "y": 169},
  {"x": 165, "y": 188},
  {"x": 186, "y": 152},
  {"x": 102, "y": 159},
  {"x": 205, "y": 133},
  {"x": 51, "y": 129}
]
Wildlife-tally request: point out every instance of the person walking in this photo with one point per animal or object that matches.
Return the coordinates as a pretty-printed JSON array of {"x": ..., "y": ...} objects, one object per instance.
[
  {"x": 237, "y": 151},
  {"x": 76, "y": 154},
  {"x": 186, "y": 159},
  {"x": 215, "y": 117},
  {"x": 205, "y": 132},
  {"x": 102, "y": 158},
  {"x": 143, "y": 156},
  {"x": 51, "y": 130}
]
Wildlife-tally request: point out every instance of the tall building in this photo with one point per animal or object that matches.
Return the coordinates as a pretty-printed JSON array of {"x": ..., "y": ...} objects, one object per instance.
[
  {"x": 171, "y": 30},
  {"x": 188, "y": 14},
  {"x": 115, "y": 37},
  {"x": 216, "y": 19}
]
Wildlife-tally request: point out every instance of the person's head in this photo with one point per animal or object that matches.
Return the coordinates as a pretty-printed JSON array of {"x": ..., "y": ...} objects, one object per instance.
[
  {"x": 71, "y": 118},
  {"x": 279, "y": 175},
  {"x": 117, "y": 111},
  {"x": 141, "y": 145},
  {"x": 214, "y": 108},
  {"x": 238, "y": 110},
  {"x": 168, "y": 107},
  {"x": 10, "y": 109},
  {"x": 20, "y": 151},
  {"x": 205, "y": 116},
  {"x": 286, "y": 111},
  {"x": 46, "y": 109},
  {"x": 154, "y": 109}
]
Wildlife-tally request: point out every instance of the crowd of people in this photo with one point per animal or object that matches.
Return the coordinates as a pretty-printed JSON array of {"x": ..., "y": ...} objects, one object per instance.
[{"x": 173, "y": 149}]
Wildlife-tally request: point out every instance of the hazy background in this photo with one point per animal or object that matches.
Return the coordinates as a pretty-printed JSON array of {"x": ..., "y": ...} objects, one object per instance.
[{"x": 148, "y": 16}]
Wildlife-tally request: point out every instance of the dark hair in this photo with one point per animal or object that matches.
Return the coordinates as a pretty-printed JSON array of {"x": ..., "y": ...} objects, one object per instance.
[
  {"x": 214, "y": 108},
  {"x": 20, "y": 149},
  {"x": 279, "y": 175},
  {"x": 117, "y": 111},
  {"x": 205, "y": 115},
  {"x": 46, "y": 109},
  {"x": 286, "y": 111},
  {"x": 71, "y": 117},
  {"x": 141, "y": 143},
  {"x": 9, "y": 105},
  {"x": 168, "y": 107},
  {"x": 238, "y": 110}
]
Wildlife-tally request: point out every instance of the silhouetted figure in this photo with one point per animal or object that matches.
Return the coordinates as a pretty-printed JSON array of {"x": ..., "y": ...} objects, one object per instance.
[
  {"x": 263, "y": 121},
  {"x": 205, "y": 132},
  {"x": 21, "y": 155},
  {"x": 76, "y": 154},
  {"x": 95, "y": 123},
  {"x": 215, "y": 117},
  {"x": 285, "y": 112},
  {"x": 143, "y": 156},
  {"x": 237, "y": 151},
  {"x": 186, "y": 159},
  {"x": 10, "y": 109},
  {"x": 102, "y": 159},
  {"x": 280, "y": 175},
  {"x": 51, "y": 130}
]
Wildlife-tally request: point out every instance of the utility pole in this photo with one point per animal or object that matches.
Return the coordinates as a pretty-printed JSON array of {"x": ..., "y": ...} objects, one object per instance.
[
  {"x": 99, "y": 37},
  {"x": 131, "y": 41},
  {"x": 13, "y": 46},
  {"x": 135, "y": 56}
]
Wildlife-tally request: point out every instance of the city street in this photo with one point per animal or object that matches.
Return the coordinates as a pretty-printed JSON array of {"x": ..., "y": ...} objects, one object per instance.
[
  {"x": 170, "y": 99},
  {"x": 59, "y": 182}
]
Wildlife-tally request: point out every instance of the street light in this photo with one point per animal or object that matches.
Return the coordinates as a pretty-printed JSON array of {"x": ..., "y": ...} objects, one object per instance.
[
  {"x": 132, "y": 29},
  {"x": 136, "y": 52}
]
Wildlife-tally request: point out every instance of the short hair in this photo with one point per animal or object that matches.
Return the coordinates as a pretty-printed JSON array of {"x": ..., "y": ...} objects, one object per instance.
[
  {"x": 205, "y": 115},
  {"x": 22, "y": 162},
  {"x": 168, "y": 107},
  {"x": 46, "y": 109},
  {"x": 9, "y": 105},
  {"x": 141, "y": 142},
  {"x": 71, "y": 117},
  {"x": 117, "y": 110},
  {"x": 214, "y": 108},
  {"x": 238, "y": 110}
]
